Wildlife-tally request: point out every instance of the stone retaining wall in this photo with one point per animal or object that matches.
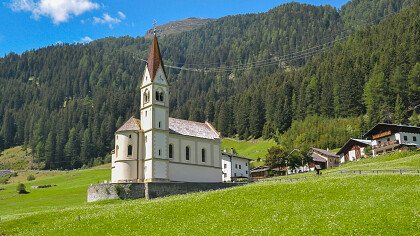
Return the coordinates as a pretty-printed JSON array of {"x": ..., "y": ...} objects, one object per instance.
[{"x": 149, "y": 190}]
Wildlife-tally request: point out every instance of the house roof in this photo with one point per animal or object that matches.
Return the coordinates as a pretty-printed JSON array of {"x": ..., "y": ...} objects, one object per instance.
[
  {"x": 236, "y": 155},
  {"x": 192, "y": 128},
  {"x": 317, "y": 158},
  {"x": 178, "y": 126},
  {"x": 325, "y": 152},
  {"x": 132, "y": 124},
  {"x": 382, "y": 127},
  {"x": 259, "y": 169},
  {"x": 352, "y": 142},
  {"x": 154, "y": 59}
]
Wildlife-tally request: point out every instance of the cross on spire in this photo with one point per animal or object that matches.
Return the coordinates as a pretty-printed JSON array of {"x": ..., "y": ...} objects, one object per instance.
[{"x": 154, "y": 26}]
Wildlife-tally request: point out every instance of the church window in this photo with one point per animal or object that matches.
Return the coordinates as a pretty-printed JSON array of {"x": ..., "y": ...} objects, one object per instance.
[
  {"x": 225, "y": 166},
  {"x": 116, "y": 151},
  {"x": 129, "y": 136},
  {"x": 161, "y": 96},
  {"x": 414, "y": 138},
  {"x": 146, "y": 96},
  {"x": 203, "y": 155},
  {"x": 160, "y": 152},
  {"x": 171, "y": 150},
  {"x": 159, "y": 124},
  {"x": 236, "y": 166},
  {"x": 157, "y": 96},
  {"x": 130, "y": 150},
  {"x": 246, "y": 163},
  {"x": 240, "y": 167},
  {"x": 187, "y": 153},
  {"x": 146, "y": 113}
]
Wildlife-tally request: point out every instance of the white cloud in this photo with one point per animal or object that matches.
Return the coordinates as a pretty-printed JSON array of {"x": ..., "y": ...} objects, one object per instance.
[
  {"x": 58, "y": 10},
  {"x": 86, "y": 39},
  {"x": 109, "y": 20},
  {"x": 121, "y": 15}
]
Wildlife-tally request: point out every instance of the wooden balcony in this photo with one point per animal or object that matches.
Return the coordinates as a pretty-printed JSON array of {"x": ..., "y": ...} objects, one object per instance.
[{"x": 384, "y": 145}]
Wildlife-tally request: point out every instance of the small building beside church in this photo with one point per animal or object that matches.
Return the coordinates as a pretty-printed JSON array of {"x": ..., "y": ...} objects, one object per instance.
[
  {"x": 157, "y": 148},
  {"x": 234, "y": 167}
]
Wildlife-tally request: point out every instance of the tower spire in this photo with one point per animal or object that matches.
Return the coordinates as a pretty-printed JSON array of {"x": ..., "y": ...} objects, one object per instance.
[{"x": 155, "y": 58}]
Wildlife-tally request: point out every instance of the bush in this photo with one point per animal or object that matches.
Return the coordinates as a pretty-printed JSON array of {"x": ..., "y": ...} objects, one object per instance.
[
  {"x": 30, "y": 177},
  {"x": 21, "y": 189}
]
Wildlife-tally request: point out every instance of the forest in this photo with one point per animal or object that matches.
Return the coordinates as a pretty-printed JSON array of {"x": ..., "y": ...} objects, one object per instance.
[{"x": 64, "y": 102}]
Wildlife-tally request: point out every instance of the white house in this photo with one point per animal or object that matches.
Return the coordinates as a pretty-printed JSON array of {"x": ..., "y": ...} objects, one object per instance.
[
  {"x": 391, "y": 137},
  {"x": 234, "y": 167},
  {"x": 353, "y": 149},
  {"x": 157, "y": 148}
]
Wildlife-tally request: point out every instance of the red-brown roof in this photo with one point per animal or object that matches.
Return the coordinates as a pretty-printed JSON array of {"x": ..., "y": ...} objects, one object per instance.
[{"x": 155, "y": 59}]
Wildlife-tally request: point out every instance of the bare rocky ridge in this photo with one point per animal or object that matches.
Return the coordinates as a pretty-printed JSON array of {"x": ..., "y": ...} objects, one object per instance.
[{"x": 178, "y": 26}]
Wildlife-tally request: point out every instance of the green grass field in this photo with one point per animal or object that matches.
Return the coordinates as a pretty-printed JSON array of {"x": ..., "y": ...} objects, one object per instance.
[{"x": 333, "y": 204}]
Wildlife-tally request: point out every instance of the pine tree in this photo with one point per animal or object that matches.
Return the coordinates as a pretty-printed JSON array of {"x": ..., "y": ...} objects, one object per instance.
[
  {"x": 399, "y": 111},
  {"x": 86, "y": 150},
  {"x": 414, "y": 119},
  {"x": 50, "y": 150}
]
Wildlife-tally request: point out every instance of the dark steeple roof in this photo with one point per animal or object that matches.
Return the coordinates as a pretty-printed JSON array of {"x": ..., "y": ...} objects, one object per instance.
[{"x": 155, "y": 59}]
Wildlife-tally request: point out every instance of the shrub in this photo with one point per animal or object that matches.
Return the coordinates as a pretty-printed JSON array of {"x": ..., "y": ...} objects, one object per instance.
[
  {"x": 30, "y": 177},
  {"x": 21, "y": 189}
]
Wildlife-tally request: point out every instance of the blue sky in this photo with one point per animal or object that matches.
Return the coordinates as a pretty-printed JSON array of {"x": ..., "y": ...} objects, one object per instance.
[{"x": 30, "y": 24}]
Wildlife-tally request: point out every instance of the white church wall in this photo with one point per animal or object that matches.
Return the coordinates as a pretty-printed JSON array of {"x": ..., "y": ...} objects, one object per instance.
[
  {"x": 193, "y": 173},
  {"x": 160, "y": 150},
  {"x": 148, "y": 170},
  {"x": 160, "y": 169}
]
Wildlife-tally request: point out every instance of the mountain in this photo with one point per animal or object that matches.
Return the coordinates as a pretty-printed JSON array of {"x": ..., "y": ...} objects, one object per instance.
[
  {"x": 178, "y": 26},
  {"x": 65, "y": 102}
]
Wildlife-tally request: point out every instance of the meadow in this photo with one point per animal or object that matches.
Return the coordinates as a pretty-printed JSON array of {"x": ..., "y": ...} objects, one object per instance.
[{"x": 332, "y": 204}]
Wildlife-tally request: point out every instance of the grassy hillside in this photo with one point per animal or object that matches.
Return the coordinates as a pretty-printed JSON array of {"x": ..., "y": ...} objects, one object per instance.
[
  {"x": 332, "y": 204},
  {"x": 14, "y": 159},
  {"x": 253, "y": 149}
]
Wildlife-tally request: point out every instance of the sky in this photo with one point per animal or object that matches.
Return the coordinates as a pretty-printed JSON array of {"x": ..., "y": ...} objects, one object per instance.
[{"x": 31, "y": 24}]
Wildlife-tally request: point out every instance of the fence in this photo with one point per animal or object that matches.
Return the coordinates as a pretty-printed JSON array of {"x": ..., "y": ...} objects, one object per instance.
[{"x": 350, "y": 172}]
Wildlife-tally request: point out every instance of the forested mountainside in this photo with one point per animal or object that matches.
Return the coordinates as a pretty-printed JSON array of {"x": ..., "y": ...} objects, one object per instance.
[{"x": 65, "y": 101}]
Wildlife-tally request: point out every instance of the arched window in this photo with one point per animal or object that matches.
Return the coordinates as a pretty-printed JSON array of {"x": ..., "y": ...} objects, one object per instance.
[
  {"x": 171, "y": 150},
  {"x": 130, "y": 150},
  {"x": 203, "y": 155},
  {"x": 116, "y": 151},
  {"x": 146, "y": 96},
  {"x": 187, "y": 153},
  {"x": 160, "y": 152},
  {"x": 161, "y": 96},
  {"x": 157, "y": 96}
]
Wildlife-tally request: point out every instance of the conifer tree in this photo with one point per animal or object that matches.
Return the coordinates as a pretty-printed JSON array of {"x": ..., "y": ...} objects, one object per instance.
[{"x": 399, "y": 111}]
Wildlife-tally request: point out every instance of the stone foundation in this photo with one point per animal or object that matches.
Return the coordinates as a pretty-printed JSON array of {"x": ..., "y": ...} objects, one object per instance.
[{"x": 100, "y": 192}]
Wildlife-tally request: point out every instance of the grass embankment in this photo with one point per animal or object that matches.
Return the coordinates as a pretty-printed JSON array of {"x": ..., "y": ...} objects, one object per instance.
[
  {"x": 253, "y": 149},
  {"x": 15, "y": 158},
  {"x": 331, "y": 204}
]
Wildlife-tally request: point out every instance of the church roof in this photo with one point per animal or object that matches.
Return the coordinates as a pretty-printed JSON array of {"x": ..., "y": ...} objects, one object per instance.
[
  {"x": 192, "y": 128},
  {"x": 132, "y": 124},
  {"x": 177, "y": 126},
  {"x": 155, "y": 59}
]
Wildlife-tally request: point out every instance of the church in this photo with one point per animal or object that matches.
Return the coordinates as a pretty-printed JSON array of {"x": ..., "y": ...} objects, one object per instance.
[{"x": 158, "y": 148}]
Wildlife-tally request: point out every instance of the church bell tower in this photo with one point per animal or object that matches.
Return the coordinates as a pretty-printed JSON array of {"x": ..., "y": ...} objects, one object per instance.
[{"x": 154, "y": 116}]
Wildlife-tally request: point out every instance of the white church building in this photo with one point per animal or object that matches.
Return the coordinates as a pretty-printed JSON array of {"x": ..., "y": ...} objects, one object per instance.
[{"x": 157, "y": 148}]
